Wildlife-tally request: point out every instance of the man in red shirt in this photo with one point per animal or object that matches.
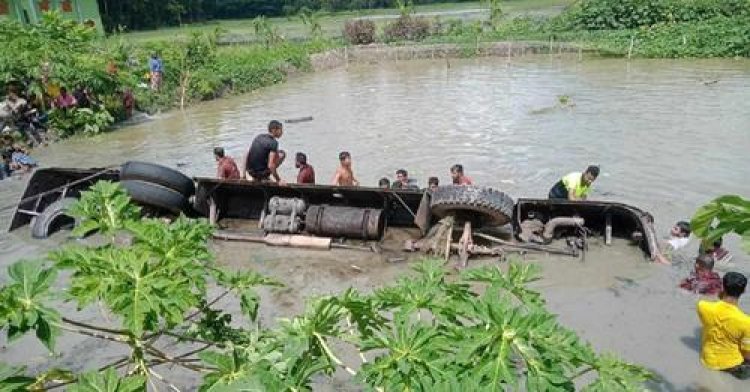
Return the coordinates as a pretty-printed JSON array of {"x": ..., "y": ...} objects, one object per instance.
[
  {"x": 226, "y": 167},
  {"x": 306, "y": 173},
  {"x": 703, "y": 280}
]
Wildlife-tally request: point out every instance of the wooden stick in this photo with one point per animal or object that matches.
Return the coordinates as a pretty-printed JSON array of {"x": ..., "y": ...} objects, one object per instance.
[{"x": 531, "y": 247}]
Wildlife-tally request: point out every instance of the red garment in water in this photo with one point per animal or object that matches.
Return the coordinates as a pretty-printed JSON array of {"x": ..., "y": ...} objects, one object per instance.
[
  {"x": 703, "y": 282},
  {"x": 227, "y": 169},
  {"x": 306, "y": 175}
]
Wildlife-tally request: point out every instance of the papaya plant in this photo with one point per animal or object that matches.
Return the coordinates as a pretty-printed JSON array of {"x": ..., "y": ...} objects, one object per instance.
[{"x": 482, "y": 330}]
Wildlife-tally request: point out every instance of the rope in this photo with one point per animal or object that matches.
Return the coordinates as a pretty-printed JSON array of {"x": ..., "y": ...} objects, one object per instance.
[
  {"x": 58, "y": 189},
  {"x": 403, "y": 203}
]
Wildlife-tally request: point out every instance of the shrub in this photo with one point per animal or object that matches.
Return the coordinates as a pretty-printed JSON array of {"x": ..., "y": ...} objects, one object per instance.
[
  {"x": 626, "y": 14},
  {"x": 407, "y": 28},
  {"x": 80, "y": 120},
  {"x": 359, "y": 31}
]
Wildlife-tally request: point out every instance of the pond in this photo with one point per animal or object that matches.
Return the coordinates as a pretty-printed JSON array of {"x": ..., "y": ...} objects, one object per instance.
[{"x": 669, "y": 136}]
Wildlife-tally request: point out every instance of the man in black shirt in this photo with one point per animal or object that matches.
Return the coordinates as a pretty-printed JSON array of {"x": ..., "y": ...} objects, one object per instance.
[{"x": 263, "y": 156}]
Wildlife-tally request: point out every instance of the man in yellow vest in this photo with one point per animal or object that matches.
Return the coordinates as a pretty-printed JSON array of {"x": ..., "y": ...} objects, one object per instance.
[{"x": 576, "y": 185}]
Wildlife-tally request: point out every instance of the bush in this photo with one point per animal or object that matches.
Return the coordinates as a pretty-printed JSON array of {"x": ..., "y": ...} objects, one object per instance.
[
  {"x": 626, "y": 14},
  {"x": 359, "y": 31},
  {"x": 407, "y": 28},
  {"x": 67, "y": 122}
]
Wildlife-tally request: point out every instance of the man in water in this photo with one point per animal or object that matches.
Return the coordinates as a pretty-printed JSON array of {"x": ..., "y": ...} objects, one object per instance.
[
  {"x": 576, "y": 185},
  {"x": 703, "y": 280},
  {"x": 306, "y": 173},
  {"x": 403, "y": 181},
  {"x": 458, "y": 176},
  {"x": 263, "y": 158},
  {"x": 725, "y": 339},
  {"x": 226, "y": 168},
  {"x": 679, "y": 235},
  {"x": 344, "y": 174},
  {"x": 433, "y": 183}
]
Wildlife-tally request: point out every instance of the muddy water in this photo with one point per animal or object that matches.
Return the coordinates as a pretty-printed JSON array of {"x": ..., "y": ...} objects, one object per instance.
[{"x": 669, "y": 136}]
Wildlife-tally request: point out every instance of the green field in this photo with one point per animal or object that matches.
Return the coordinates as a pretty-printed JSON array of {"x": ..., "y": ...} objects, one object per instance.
[{"x": 332, "y": 23}]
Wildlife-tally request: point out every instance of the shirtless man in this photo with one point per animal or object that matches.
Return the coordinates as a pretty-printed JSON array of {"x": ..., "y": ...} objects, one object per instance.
[{"x": 344, "y": 174}]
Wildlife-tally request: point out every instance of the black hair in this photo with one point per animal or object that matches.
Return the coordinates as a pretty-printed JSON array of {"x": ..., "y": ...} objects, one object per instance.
[
  {"x": 734, "y": 284},
  {"x": 593, "y": 170},
  {"x": 433, "y": 180},
  {"x": 684, "y": 227},
  {"x": 6, "y": 154},
  {"x": 281, "y": 152},
  {"x": 274, "y": 124},
  {"x": 219, "y": 152},
  {"x": 718, "y": 243},
  {"x": 384, "y": 181},
  {"x": 402, "y": 172},
  {"x": 301, "y": 158},
  {"x": 63, "y": 89},
  {"x": 343, "y": 155},
  {"x": 458, "y": 168},
  {"x": 706, "y": 261}
]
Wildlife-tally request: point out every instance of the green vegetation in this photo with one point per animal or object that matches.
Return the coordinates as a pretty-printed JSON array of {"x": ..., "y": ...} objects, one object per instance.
[
  {"x": 724, "y": 215},
  {"x": 483, "y": 330},
  {"x": 58, "y": 53}
]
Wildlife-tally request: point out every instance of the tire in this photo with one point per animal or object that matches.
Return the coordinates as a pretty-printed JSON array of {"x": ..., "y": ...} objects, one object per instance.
[
  {"x": 153, "y": 195},
  {"x": 482, "y": 206},
  {"x": 53, "y": 219},
  {"x": 157, "y": 174}
]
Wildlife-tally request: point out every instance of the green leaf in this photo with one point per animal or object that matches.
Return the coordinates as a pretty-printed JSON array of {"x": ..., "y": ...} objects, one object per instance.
[
  {"x": 12, "y": 379},
  {"x": 108, "y": 381}
]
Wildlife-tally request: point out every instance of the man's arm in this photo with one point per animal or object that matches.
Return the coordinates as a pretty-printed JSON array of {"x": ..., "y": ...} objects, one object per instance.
[
  {"x": 272, "y": 165},
  {"x": 243, "y": 170}
]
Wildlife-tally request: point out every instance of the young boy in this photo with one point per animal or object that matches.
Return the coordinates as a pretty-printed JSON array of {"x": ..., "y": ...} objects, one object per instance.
[
  {"x": 703, "y": 280},
  {"x": 457, "y": 174},
  {"x": 433, "y": 183},
  {"x": 344, "y": 174}
]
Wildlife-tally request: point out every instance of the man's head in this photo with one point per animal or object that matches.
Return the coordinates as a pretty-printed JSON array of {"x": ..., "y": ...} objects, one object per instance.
[
  {"x": 154, "y": 55},
  {"x": 384, "y": 183},
  {"x": 680, "y": 229},
  {"x": 457, "y": 171},
  {"x": 734, "y": 284},
  {"x": 218, "y": 153},
  {"x": 275, "y": 129},
  {"x": 345, "y": 158},
  {"x": 590, "y": 175},
  {"x": 63, "y": 91},
  {"x": 300, "y": 160},
  {"x": 704, "y": 262},
  {"x": 433, "y": 183},
  {"x": 280, "y": 157},
  {"x": 12, "y": 92},
  {"x": 402, "y": 176}
]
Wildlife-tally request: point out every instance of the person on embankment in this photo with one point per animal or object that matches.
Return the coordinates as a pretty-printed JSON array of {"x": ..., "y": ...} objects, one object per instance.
[
  {"x": 263, "y": 158},
  {"x": 575, "y": 186},
  {"x": 725, "y": 338}
]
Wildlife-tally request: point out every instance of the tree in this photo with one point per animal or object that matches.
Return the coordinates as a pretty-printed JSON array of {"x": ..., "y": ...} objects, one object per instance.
[{"x": 723, "y": 215}]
